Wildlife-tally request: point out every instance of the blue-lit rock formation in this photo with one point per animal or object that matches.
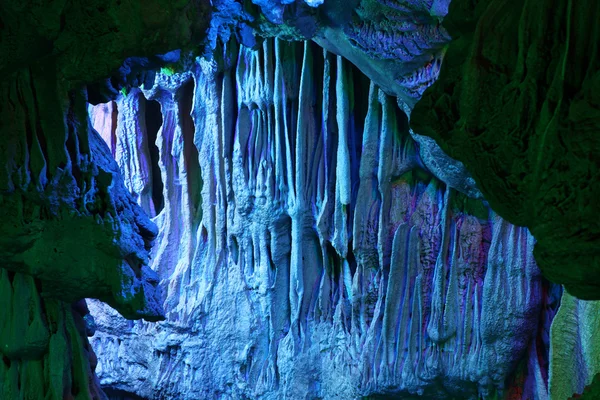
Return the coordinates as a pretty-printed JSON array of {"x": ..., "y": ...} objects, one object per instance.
[
  {"x": 575, "y": 349},
  {"x": 305, "y": 242},
  {"x": 305, "y": 251},
  {"x": 525, "y": 123}
]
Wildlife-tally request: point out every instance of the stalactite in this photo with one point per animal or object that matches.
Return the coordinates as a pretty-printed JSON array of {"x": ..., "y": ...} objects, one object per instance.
[{"x": 324, "y": 255}]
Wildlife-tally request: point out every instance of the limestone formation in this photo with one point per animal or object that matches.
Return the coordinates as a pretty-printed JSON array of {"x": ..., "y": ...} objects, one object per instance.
[
  {"x": 517, "y": 102},
  {"x": 316, "y": 199},
  {"x": 304, "y": 249}
]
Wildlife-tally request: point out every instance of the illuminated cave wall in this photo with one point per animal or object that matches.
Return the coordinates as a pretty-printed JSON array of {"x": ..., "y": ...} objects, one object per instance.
[
  {"x": 290, "y": 272},
  {"x": 305, "y": 251}
]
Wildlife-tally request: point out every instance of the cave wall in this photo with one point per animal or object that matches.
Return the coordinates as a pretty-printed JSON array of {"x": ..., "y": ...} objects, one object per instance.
[
  {"x": 71, "y": 228},
  {"x": 44, "y": 344},
  {"x": 305, "y": 250},
  {"x": 517, "y": 102},
  {"x": 574, "y": 352}
]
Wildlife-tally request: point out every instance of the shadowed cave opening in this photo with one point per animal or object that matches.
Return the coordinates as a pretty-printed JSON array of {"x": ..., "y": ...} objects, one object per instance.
[
  {"x": 154, "y": 120},
  {"x": 116, "y": 394},
  {"x": 185, "y": 97}
]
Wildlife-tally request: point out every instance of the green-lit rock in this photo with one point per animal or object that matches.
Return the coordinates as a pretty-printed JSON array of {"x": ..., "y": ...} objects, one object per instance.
[{"x": 517, "y": 101}]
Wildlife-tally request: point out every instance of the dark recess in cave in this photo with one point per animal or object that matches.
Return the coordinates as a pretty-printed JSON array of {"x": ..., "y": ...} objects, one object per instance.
[
  {"x": 153, "y": 123},
  {"x": 113, "y": 129},
  {"x": 186, "y": 98},
  {"x": 115, "y": 394}
]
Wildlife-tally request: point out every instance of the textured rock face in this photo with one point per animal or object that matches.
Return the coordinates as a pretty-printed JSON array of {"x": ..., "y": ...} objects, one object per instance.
[
  {"x": 57, "y": 193},
  {"x": 69, "y": 230},
  {"x": 397, "y": 43},
  {"x": 517, "y": 101},
  {"x": 300, "y": 253},
  {"x": 69, "y": 227},
  {"x": 574, "y": 347},
  {"x": 64, "y": 32},
  {"x": 305, "y": 251},
  {"x": 400, "y": 45},
  {"x": 45, "y": 351}
]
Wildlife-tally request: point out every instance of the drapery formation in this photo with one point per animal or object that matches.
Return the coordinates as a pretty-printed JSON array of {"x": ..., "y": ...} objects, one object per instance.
[{"x": 305, "y": 250}]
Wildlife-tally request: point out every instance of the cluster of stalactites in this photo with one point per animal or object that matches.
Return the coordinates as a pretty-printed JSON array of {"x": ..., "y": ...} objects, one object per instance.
[{"x": 293, "y": 189}]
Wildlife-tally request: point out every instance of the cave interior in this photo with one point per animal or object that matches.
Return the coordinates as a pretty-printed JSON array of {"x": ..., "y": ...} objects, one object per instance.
[{"x": 299, "y": 199}]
